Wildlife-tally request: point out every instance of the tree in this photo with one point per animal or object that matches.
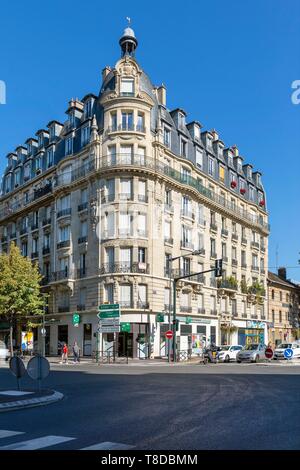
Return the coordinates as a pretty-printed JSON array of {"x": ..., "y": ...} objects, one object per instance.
[{"x": 19, "y": 288}]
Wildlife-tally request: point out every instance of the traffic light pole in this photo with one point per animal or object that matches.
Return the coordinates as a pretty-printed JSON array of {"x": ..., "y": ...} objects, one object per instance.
[{"x": 218, "y": 273}]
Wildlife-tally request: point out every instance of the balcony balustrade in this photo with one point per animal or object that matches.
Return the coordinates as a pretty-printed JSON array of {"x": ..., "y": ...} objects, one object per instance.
[
  {"x": 82, "y": 207},
  {"x": 63, "y": 244},
  {"x": 64, "y": 212}
]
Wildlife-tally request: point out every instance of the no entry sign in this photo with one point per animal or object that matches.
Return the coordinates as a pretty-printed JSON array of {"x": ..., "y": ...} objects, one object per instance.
[
  {"x": 269, "y": 353},
  {"x": 169, "y": 334}
]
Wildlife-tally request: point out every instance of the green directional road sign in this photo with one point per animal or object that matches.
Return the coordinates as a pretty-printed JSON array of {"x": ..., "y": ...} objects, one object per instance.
[
  {"x": 160, "y": 317},
  {"x": 188, "y": 320},
  {"x": 125, "y": 327},
  {"x": 76, "y": 318},
  {"x": 111, "y": 314},
  {"x": 109, "y": 307}
]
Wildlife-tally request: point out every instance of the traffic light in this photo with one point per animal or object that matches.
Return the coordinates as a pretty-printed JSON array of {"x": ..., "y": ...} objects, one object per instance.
[
  {"x": 176, "y": 323},
  {"x": 218, "y": 268}
]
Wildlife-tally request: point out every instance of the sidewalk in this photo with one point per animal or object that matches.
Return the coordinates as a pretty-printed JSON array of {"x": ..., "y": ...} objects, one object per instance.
[{"x": 14, "y": 399}]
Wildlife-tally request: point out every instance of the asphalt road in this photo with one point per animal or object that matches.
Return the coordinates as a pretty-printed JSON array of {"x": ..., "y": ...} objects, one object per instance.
[{"x": 153, "y": 407}]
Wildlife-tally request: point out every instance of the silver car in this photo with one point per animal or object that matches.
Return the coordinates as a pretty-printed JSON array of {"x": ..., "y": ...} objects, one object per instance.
[{"x": 251, "y": 353}]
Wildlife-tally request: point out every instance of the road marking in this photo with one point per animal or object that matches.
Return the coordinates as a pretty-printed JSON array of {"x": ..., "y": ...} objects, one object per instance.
[
  {"x": 4, "y": 433},
  {"x": 39, "y": 443},
  {"x": 108, "y": 446}
]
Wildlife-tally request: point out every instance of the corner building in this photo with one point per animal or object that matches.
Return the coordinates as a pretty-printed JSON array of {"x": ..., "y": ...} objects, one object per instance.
[{"x": 103, "y": 201}]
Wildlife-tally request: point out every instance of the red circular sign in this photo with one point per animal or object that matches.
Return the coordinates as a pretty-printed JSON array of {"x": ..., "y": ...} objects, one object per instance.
[
  {"x": 169, "y": 334},
  {"x": 269, "y": 353}
]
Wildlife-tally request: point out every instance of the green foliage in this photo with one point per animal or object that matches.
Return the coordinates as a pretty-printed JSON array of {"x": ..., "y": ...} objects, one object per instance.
[{"x": 19, "y": 286}]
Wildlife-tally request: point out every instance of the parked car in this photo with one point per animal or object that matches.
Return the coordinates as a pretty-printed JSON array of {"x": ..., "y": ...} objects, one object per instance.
[
  {"x": 4, "y": 352},
  {"x": 228, "y": 353},
  {"x": 279, "y": 350},
  {"x": 251, "y": 353}
]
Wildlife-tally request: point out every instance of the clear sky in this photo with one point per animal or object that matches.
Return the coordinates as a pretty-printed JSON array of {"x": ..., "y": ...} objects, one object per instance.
[{"x": 229, "y": 64}]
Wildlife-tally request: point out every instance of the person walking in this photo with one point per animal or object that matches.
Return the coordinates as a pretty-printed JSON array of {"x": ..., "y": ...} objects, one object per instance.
[
  {"x": 76, "y": 352},
  {"x": 65, "y": 353}
]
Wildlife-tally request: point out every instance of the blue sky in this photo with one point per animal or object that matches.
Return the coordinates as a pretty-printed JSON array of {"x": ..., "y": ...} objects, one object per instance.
[{"x": 229, "y": 64}]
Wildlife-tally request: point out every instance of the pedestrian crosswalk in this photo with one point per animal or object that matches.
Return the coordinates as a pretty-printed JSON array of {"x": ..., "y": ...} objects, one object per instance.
[{"x": 50, "y": 441}]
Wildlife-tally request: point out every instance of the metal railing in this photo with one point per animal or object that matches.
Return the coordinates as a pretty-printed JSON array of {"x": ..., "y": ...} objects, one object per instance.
[
  {"x": 64, "y": 212},
  {"x": 124, "y": 267}
]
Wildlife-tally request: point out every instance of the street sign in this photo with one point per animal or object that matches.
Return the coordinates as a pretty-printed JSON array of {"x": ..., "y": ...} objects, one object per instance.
[
  {"x": 188, "y": 320},
  {"x": 108, "y": 329},
  {"x": 109, "y": 307},
  {"x": 17, "y": 367},
  {"x": 109, "y": 314},
  {"x": 160, "y": 317},
  {"x": 125, "y": 327},
  {"x": 169, "y": 334},
  {"x": 109, "y": 321},
  {"x": 288, "y": 353},
  {"x": 269, "y": 353},
  {"x": 38, "y": 368}
]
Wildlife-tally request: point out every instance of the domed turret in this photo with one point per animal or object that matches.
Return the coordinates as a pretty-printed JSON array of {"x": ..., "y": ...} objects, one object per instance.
[{"x": 128, "y": 41}]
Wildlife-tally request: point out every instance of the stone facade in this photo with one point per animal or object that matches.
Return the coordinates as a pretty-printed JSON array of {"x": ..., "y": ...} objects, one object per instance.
[
  {"x": 284, "y": 308},
  {"x": 103, "y": 201}
]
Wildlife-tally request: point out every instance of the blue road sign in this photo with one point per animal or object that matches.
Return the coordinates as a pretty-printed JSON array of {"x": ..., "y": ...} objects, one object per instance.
[{"x": 288, "y": 353}]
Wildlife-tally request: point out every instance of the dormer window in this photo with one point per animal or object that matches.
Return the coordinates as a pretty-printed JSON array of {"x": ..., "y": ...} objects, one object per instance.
[
  {"x": 50, "y": 157},
  {"x": 72, "y": 119},
  {"x": 239, "y": 166},
  {"x": 211, "y": 166},
  {"x": 230, "y": 160},
  {"x": 40, "y": 140},
  {"x": 85, "y": 135},
  {"x": 199, "y": 158},
  {"x": 249, "y": 172},
  {"x": 7, "y": 185},
  {"x": 29, "y": 148},
  {"x": 251, "y": 193},
  {"x": 127, "y": 87},
  {"x": 183, "y": 148},
  {"x": 52, "y": 132},
  {"x": 88, "y": 105},
  {"x": 17, "y": 177},
  {"x": 209, "y": 142},
  {"x": 27, "y": 171},
  {"x": 167, "y": 137},
  {"x": 69, "y": 146},
  {"x": 181, "y": 120},
  {"x": 38, "y": 164}
]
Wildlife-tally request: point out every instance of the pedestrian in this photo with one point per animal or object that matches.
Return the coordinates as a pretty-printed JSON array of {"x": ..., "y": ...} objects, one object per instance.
[
  {"x": 65, "y": 353},
  {"x": 76, "y": 352}
]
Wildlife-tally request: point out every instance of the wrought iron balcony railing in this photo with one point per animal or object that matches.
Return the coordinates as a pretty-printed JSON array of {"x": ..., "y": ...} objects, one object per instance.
[{"x": 124, "y": 267}]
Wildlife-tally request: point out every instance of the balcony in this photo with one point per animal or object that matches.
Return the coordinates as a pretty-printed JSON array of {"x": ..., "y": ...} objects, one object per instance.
[
  {"x": 34, "y": 254},
  {"x": 244, "y": 241},
  {"x": 234, "y": 262},
  {"x": 61, "y": 275},
  {"x": 142, "y": 198},
  {"x": 186, "y": 245},
  {"x": 34, "y": 227},
  {"x": 82, "y": 207},
  {"x": 46, "y": 250},
  {"x": 169, "y": 240},
  {"x": 45, "y": 281},
  {"x": 126, "y": 303},
  {"x": 169, "y": 208},
  {"x": 255, "y": 268},
  {"x": 124, "y": 267},
  {"x": 80, "y": 307},
  {"x": 213, "y": 255},
  {"x": 63, "y": 244},
  {"x": 225, "y": 259},
  {"x": 81, "y": 273},
  {"x": 186, "y": 213},
  {"x": 202, "y": 222},
  {"x": 244, "y": 266},
  {"x": 224, "y": 232},
  {"x": 227, "y": 284},
  {"x": 125, "y": 196},
  {"x": 63, "y": 308},
  {"x": 199, "y": 278},
  {"x": 82, "y": 239},
  {"x": 125, "y": 232},
  {"x": 13, "y": 235},
  {"x": 186, "y": 308},
  {"x": 142, "y": 304},
  {"x": 64, "y": 212},
  {"x": 213, "y": 282},
  {"x": 24, "y": 231},
  {"x": 201, "y": 310},
  {"x": 42, "y": 191},
  {"x": 255, "y": 245},
  {"x": 262, "y": 248},
  {"x": 141, "y": 233},
  {"x": 46, "y": 222},
  {"x": 214, "y": 312},
  {"x": 108, "y": 198},
  {"x": 168, "y": 308},
  {"x": 262, "y": 271},
  {"x": 213, "y": 227},
  {"x": 234, "y": 237}
]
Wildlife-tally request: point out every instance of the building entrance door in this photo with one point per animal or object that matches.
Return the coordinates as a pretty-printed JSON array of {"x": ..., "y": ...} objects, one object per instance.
[
  {"x": 87, "y": 339},
  {"x": 125, "y": 344},
  {"x": 63, "y": 337}
]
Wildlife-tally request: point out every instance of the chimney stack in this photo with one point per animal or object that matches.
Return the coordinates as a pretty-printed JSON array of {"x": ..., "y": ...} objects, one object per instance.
[
  {"x": 105, "y": 72},
  {"x": 282, "y": 273},
  {"x": 162, "y": 94}
]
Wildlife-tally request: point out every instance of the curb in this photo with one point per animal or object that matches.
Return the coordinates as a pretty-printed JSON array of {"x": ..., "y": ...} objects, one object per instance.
[{"x": 30, "y": 403}]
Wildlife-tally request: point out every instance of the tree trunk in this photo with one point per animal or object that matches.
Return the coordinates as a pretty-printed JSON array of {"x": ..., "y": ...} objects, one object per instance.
[{"x": 11, "y": 347}]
